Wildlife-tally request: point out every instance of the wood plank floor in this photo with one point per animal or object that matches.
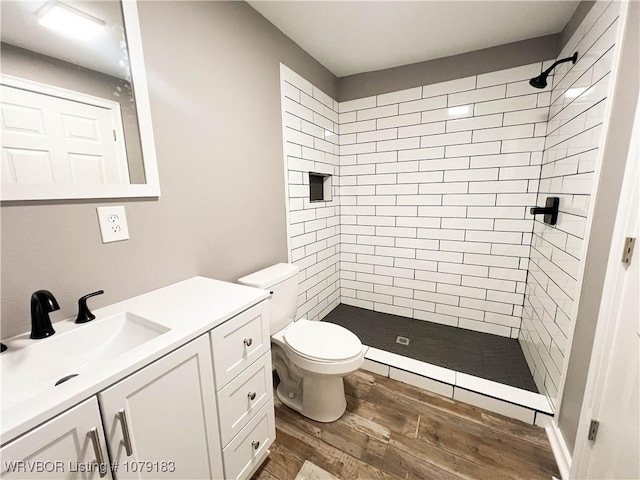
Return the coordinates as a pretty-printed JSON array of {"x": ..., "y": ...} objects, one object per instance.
[{"x": 394, "y": 431}]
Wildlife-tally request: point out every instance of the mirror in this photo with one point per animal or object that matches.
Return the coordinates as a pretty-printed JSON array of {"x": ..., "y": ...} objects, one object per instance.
[{"x": 76, "y": 121}]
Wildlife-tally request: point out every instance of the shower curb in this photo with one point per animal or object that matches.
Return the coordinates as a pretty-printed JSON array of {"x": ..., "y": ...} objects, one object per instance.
[{"x": 529, "y": 407}]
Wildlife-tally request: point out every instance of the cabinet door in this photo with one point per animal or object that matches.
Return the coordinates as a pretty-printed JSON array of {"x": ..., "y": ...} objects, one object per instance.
[
  {"x": 70, "y": 446},
  {"x": 243, "y": 397},
  {"x": 239, "y": 342},
  {"x": 250, "y": 446},
  {"x": 161, "y": 422}
]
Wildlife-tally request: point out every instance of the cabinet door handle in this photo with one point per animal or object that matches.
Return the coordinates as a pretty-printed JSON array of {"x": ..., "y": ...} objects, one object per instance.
[
  {"x": 252, "y": 395},
  {"x": 126, "y": 438},
  {"x": 248, "y": 342},
  {"x": 97, "y": 448},
  {"x": 255, "y": 445}
]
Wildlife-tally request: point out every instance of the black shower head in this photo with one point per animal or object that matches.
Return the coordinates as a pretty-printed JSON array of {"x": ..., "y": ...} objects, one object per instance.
[{"x": 541, "y": 80}]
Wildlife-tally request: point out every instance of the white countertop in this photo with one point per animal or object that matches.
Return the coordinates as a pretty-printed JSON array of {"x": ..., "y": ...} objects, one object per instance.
[{"x": 188, "y": 308}]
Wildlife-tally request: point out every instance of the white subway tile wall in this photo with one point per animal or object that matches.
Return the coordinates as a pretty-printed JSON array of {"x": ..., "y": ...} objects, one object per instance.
[
  {"x": 436, "y": 186},
  {"x": 432, "y": 187},
  {"x": 310, "y": 133},
  {"x": 573, "y": 133}
]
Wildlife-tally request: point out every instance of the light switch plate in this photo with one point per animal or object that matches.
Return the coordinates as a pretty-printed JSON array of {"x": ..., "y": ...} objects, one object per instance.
[{"x": 113, "y": 224}]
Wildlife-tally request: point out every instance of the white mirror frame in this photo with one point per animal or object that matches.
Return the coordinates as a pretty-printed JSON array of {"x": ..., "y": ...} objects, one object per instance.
[{"x": 12, "y": 192}]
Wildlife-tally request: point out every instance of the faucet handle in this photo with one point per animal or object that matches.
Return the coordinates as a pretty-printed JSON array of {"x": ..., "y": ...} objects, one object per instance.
[{"x": 84, "y": 314}]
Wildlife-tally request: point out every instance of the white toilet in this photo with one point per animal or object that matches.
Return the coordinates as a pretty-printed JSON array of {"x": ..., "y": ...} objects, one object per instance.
[{"x": 311, "y": 358}]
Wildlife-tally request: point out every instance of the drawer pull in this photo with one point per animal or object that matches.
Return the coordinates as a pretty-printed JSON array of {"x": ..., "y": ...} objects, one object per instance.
[
  {"x": 255, "y": 445},
  {"x": 97, "y": 448},
  {"x": 126, "y": 437},
  {"x": 252, "y": 395},
  {"x": 248, "y": 342}
]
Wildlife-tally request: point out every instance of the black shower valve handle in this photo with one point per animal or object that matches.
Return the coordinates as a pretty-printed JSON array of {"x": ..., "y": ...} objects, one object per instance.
[
  {"x": 550, "y": 210},
  {"x": 84, "y": 314},
  {"x": 540, "y": 210}
]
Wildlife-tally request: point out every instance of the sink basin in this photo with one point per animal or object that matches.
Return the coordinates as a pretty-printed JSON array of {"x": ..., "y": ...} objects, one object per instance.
[{"x": 31, "y": 367}]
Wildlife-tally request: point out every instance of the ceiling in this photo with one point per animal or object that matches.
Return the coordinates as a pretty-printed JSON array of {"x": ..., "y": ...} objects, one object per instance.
[
  {"x": 350, "y": 37},
  {"x": 105, "y": 53}
]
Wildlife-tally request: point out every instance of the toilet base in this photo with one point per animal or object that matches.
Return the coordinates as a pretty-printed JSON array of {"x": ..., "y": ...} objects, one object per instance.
[{"x": 322, "y": 398}]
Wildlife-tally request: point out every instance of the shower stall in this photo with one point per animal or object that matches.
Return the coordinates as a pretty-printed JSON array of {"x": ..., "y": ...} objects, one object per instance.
[{"x": 409, "y": 215}]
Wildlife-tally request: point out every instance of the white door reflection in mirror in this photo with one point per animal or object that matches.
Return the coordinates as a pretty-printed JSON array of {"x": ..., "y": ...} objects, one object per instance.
[{"x": 58, "y": 139}]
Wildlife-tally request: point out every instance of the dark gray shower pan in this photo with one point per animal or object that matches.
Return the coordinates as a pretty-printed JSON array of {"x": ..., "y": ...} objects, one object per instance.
[{"x": 452, "y": 361}]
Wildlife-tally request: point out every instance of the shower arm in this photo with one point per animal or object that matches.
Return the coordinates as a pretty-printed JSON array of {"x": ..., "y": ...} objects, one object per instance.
[{"x": 572, "y": 58}]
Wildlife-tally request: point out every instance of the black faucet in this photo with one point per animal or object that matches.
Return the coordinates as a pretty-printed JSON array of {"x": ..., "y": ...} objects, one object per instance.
[
  {"x": 84, "y": 314},
  {"x": 42, "y": 303}
]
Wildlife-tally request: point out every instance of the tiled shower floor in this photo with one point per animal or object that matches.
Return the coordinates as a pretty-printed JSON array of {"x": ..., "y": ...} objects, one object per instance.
[{"x": 491, "y": 357}]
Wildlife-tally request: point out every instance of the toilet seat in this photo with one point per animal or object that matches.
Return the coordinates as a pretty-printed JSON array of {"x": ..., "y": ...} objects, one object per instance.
[
  {"x": 306, "y": 344},
  {"x": 322, "y": 341}
]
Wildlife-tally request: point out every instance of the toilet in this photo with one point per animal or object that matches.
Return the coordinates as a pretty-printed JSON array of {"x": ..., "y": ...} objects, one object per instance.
[{"x": 311, "y": 358}]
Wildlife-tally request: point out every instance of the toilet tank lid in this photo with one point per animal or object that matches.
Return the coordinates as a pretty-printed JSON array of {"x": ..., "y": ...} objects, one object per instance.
[{"x": 270, "y": 276}]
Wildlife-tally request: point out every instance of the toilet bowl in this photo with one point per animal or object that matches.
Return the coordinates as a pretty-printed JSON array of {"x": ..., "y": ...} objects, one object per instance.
[{"x": 311, "y": 358}]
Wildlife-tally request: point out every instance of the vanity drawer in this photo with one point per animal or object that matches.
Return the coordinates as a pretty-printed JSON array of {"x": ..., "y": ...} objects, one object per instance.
[
  {"x": 244, "y": 396},
  {"x": 250, "y": 445},
  {"x": 239, "y": 342}
]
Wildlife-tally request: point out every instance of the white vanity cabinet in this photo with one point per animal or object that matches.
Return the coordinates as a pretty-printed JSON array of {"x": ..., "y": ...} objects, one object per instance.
[
  {"x": 242, "y": 363},
  {"x": 161, "y": 421},
  {"x": 69, "y": 446},
  {"x": 202, "y": 411}
]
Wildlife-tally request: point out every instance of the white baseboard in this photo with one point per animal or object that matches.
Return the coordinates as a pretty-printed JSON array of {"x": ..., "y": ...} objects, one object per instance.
[{"x": 560, "y": 451}]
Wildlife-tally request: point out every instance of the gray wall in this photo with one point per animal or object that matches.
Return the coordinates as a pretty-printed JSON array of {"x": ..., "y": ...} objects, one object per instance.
[
  {"x": 615, "y": 156},
  {"x": 213, "y": 72},
  {"x": 575, "y": 21},
  {"x": 449, "y": 68},
  {"x": 26, "y": 64}
]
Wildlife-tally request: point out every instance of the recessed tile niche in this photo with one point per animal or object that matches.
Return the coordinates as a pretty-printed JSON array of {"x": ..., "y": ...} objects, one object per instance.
[{"x": 319, "y": 187}]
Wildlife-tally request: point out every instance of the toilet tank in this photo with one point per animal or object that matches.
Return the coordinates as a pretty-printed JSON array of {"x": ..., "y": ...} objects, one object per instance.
[{"x": 282, "y": 281}]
